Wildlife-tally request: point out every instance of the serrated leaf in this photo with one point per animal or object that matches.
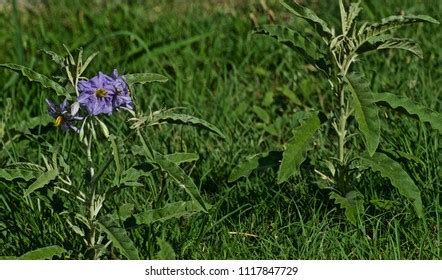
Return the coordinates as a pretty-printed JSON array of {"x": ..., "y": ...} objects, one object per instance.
[
  {"x": 142, "y": 78},
  {"x": 169, "y": 117},
  {"x": 297, "y": 42},
  {"x": 352, "y": 203},
  {"x": 393, "y": 171},
  {"x": 386, "y": 42},
  {"x": 166, "y": 251},
  {"x": 46, "y": 253},
  {"x": 178, "y": 158},
  {"x": 366, "y": 112},
  {"x": 42, "y": 181},
  {"x": 168, "y": 211},
  {"x": 35, "y": 77},
  {"x": 396, "y": 102},
  {"x": 294, "y": 155},
  {"x": 316, "y": 22},
  {"x": 119, "y": 237},
  {"x": 257, "y": 162},
  {"x": 181, "y": 178},
  {"x": 12, "y": 174}
]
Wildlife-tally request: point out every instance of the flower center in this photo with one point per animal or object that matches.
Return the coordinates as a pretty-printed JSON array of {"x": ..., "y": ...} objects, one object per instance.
[
  {"x": 101, "y": 92},
  {"x": 58, "y": 121}
]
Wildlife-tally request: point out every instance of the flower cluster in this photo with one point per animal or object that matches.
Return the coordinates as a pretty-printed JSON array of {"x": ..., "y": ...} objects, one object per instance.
[{"x": 101, "y": 94}]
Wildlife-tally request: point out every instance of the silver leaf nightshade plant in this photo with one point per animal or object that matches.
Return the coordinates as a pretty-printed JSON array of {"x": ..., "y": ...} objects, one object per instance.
[
  {"x": 87, "y": 107},
  {"x": 334, "y": 53}
]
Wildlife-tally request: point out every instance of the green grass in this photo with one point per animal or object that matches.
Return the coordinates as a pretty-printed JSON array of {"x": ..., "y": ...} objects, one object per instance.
[{"x": 218, "y": 70}]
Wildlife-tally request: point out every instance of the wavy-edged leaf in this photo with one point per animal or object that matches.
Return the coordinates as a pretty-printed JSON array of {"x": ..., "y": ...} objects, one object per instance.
[
  {"x": 366, "y": 112},
  {"x": 55, "y": 57},
  {"x": 297, "y": 42},
  {"x": 258, "y": 162},
  {"x": 305, "y": 13},
  {"x": 42, "y": 181},
  {"x": 181, "y": 178},
  {"x": 166, "y": 251},
  {"x": 352, "y": 203},
  {"x": 119, "y": 237},
  {"x": 174, "y": 118},
  {"x": 16, "y": 173},
  {"x": 46, "y": 253},
  {"x": 386, "y": 42},
  {"x": 347, "y": 19},
  {"x": 393, "y": 171},
  {"x": 169, "y": 211},
  {"x": 142, "y": 78},
  {"x": 371, "y": 31},
  {"x": 35, "y": 77},
  {"x": 397, "y": 102},
  {"x": 294, "y": 155},
  {"x": 182, "y": 157}
]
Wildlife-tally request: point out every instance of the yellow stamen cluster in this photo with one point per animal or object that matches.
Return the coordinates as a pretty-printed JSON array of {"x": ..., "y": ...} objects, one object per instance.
[
  {"x": 101, "y": 92},
  {"x": 58, "y": 121}
]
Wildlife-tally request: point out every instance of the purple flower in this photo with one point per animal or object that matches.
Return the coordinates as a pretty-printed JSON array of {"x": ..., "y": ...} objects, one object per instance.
[
  {"x": 62, "y": 117},
  {"x": 103, "y": 94},
  {"x": 121, "y": 97},
  {"x": 97, "y": 94}
]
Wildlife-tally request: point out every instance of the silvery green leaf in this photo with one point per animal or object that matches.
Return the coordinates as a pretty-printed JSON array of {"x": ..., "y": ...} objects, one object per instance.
[
  {"x": 316, "y": 22},
  {"x": 409, "y": 107},
  {"x": 35, "y": 77},
  {"x": 142, "y": 78},
  {"x": 168, "y": 211},
  {"x": 119, "y": 237},
  {"x": 181, "y": 178},
  {"x": 42, "y": 181},
  {"x": 87, "y": 62},
  {"x": 352, "y": 203},
  {"x": 258, "y": 162},
  {"x": 46, "y": 253},
  {"x": 400, "y": 179},
  {"x": 294, "y": 155},
  {"x": 366, "y": 112}
]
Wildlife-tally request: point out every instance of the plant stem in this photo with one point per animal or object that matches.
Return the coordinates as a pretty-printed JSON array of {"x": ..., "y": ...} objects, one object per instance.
[{"x": 342, "y": 122}]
